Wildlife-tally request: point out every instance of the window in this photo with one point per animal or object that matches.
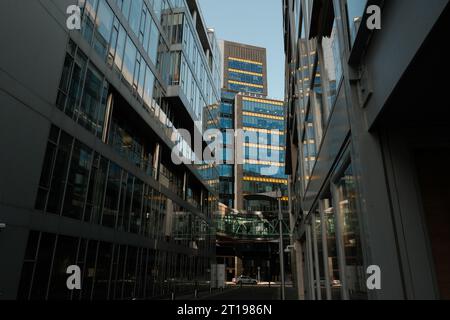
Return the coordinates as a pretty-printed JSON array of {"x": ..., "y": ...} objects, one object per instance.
[
  {"x": 65, "y": 255},
  {"x": 112, "y": 195},
  {"x": 77, "y": 183},
  {"x": 148, "y": 87},
  {"x": 154, "y": 41},
  {"x": 350, "y": 235},
  {"x": 157, "y": 8},
  {"x": 76, "y": 84},
  {"x": 333, "y": 261},
  {"x": 332, "y": 73},
  {"x": 125, "y": 7},
  {"x": 355, "y": 11},
  {"x": 129, "y": 61},
  {"x": 135, "y": 15},
  {"x": 60, "y": 167},
  {"x": 90, "y": 9},
  {"x": 97, "y": 183},
  {"x": 121, "y": 38},
  {"x": 104, "y": 23}
]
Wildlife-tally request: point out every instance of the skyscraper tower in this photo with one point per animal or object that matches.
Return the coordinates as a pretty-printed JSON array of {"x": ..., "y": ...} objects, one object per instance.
[{"x": 245, "y": 106}]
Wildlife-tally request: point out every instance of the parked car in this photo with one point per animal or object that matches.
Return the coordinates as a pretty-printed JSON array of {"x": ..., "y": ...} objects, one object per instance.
[{"x": 246, "y": 280}]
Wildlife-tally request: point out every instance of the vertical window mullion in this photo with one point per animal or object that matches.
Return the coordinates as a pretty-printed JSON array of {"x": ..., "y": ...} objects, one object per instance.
[
  {"x": 36, "y": 254},
  {"x": 67, "y": 176},
  {"x": 51, "y": 267}
]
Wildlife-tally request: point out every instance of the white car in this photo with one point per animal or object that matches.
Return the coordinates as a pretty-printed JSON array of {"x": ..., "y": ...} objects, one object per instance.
[{"x": 246, "y": 280}]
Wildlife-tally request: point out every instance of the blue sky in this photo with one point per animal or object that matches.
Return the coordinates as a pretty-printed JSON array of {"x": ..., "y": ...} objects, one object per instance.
[{"x": 254, "y": 22}]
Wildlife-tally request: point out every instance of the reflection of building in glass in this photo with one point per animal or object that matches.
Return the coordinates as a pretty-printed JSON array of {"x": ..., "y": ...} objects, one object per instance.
[
  {"x": 99, "y": 188},
  {"x": 366, "y": 169}
]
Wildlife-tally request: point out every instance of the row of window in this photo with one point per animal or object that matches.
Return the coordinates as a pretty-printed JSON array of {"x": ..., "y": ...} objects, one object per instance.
[
  {"x": 242, "y": 77},
  {"x": 245, "y": 66},
  {"x": 226, "y": 170},
  {"x": 78, "y": 183},
  {"x": 319, "y": 73},
  {"x": 257, "y": 122},
  {"x": 109, "y": 271},
  {"x": 264, "y": 154},
  {"x": 83, "y": 91},
  {"x": 337, "y": 215},
  {"x": 243, "y": 88},
  {"x": 264, "y": 108},
  {"x": 226, "y": 108},
  {"x": 128, "y": 143},
  {"x": 127, "y": 61},
  {"x": 206, "y": 72}
]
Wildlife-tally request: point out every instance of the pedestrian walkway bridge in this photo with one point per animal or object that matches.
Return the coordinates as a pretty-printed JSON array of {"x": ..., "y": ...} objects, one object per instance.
[{"x": 255, "y": 226}]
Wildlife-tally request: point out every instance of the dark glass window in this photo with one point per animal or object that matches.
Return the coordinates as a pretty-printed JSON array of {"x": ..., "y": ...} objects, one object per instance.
[
  {"x": 136, "y": 208},
  {"x": 94, "y": 203},
  {"x": 89, "y": 270},
  {"x": 55, "y": 196},
  {"x": 130, "y": 273},
  {"x": 90, "y": 9},
  {"x": 65, "y": 255},
  {"x": 77, "y": 184},
  {"x": 92, "y": 110},
  {"x": 43, "y": 266},
  {"x": 110, "y": 209},
  {"x": 76, "y": 84},
  {"x": 103, "y": 271}
]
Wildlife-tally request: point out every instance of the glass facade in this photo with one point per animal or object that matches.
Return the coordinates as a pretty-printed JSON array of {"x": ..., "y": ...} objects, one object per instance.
[
  {"x": 264, "y": 159},
  {"x": 110, "y": 271},
  {"x": 136, "y": 207},
  {"x": 226, "y": 116},
  {"x": 333, "y": 255}
]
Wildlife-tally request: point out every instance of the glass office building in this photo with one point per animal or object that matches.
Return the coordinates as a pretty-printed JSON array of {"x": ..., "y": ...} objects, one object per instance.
[
  {"x": 357, "y": 149},
  {"x": 247, "y": 227},
  {"x": 262, "y": 170},
  {"x": 101, "y": 109},
  {"x": 245, "y": 107}
]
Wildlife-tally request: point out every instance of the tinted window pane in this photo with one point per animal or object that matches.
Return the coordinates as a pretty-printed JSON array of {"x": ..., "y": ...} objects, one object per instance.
[
  {"x": 104, "y": 23},
  {"x": 59, "y": 174},
  {"x": 129, "y": 61},
  {"x": 92, "y": 100},
  {"x": 112, "y": 196},
  {"x": 77, "y": 185},
  {"x": 65, "y": 255},
  {"x": 43, "y": 266},
  {"x": 102, "y": 271},
  {"x": 135, "y": 15}
]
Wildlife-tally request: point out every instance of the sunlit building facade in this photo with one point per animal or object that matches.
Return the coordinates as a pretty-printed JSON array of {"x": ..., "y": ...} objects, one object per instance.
[{"x": 99, "y": 110}]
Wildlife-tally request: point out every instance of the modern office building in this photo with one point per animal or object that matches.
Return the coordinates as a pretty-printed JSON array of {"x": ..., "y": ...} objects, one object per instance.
[
  {"x": 88, "y": 121},
  {"x": 245, "y": 107},
  {"x": 244, "y": 68},
  {"x": 368, "y": 148},
  {"x": 253, "y": 166}
]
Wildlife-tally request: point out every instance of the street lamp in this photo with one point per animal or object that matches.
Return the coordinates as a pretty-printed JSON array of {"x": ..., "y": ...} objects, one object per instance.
[{"x": 281, "y": 248}]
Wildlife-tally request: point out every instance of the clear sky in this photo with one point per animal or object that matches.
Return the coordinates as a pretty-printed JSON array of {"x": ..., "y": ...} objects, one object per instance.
[{"x": 254, "y": 22}]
